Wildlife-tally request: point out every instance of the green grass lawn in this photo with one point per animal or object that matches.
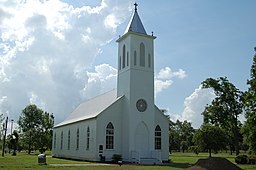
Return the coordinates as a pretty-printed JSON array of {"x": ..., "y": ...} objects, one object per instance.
[{"x": 178, "y": 161}]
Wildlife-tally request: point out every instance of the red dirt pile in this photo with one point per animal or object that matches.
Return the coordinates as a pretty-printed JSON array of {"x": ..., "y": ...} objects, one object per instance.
[{"x": 214, "y": 164}]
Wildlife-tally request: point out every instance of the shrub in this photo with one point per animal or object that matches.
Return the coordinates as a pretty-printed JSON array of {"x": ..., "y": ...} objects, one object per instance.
[
  {"x": 241, "y": 159},
  {"x": 252, "y": 160},
  {"x": 116, "y": 158},
  {"x": 42, "y": 150},
  {"x": 194, "y": 149},
  {"x": 183, "y": 146}
]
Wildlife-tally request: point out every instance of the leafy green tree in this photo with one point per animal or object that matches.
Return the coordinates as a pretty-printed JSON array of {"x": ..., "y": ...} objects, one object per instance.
[
  {"x": 181, "y": 134},
  {"x": 183, "y": 145},
  {"x": 194, "y": 149},
  {"x": 23, "y": 142},
  {"x": 1, "y": 118},
  {"x": 12, "y": 141},
  {"x": 249, "y": 99},
  {"x": 1, "y": 125},
  {"x": 174, "y": 138},
  {"x": 186, "y": 133},
  {"x": 225, "y": 109},
  {"x": 45, "y": 132},
  {"x": 211, "y": 138},
  {"x": 37, "y": 127}
]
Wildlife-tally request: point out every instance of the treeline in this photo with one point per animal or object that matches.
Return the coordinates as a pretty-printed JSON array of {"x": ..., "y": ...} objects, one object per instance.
[
  {"x": 35, "y": 131},
  {"x": 222, "y": 129}
]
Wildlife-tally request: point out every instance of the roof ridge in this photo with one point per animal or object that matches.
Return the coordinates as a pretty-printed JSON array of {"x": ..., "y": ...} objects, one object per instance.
[{"x": 98, "y": 96}]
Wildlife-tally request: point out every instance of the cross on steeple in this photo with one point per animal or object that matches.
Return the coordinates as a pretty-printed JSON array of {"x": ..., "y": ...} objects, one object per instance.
[{"x": 135, "y": 5}]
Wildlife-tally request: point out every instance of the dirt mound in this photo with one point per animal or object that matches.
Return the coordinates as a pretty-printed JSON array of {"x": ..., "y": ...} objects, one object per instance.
[{"x": 214, "y": 164}]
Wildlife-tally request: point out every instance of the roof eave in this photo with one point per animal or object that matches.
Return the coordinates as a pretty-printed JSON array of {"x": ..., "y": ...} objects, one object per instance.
[
  {"x": 69, "y": 123},
  {"x": 135, "y": 33}
]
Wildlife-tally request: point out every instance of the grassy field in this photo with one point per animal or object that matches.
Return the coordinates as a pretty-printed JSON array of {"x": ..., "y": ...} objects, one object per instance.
[{"x": 178, "y": 161}]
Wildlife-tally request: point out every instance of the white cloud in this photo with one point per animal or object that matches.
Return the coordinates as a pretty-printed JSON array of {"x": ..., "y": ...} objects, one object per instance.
[
  {"x": 194, "y": 105},
  {"x": 101, "y": 80},
  {"x": 161, "y": 85},
  {"x": 111, "y": 21},
  {"x": 167, "y": 73},
  {"x": 34, "y": 99},
  {"x": 46, "y": 48},
  {"x": 163, "y": 79},
  {"x": 4, "y": 106}
]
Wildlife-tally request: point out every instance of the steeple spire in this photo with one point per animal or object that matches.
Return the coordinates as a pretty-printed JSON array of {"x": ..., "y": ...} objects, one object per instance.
[{"x": 135, "y": 24}]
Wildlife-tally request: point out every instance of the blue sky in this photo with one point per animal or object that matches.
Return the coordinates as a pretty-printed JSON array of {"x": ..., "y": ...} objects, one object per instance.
[
  {"x": 57, "y": 54},
  {"x": 204, "y": 38}
]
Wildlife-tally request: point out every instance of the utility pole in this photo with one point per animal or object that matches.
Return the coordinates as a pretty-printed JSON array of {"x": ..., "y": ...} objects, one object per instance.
[
  {"x": 5, "y": 129},
  {"x": 11, "y": 125}
]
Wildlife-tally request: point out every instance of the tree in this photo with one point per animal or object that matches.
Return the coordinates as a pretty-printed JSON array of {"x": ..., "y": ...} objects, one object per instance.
[
  {"x": 37, "y": 127},
  {"x": 174, "y": 138},
  {"x": 211, "y": 138},
  {"x": 183, "y": 146},
  {"x": 249, "y": 100},
  {"x": 225, "y": 108},
  {"x": 45, "y": 132},
  {"x": 186, "y": 133},
  {"x": 1, "y": 125},
  {"x": 181, "y": 134},
  {"x": 12, "y": 141}
]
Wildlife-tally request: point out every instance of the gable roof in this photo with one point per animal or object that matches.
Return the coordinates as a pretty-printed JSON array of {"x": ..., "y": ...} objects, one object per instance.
[
  {"x": 161, "y": 113},
  {"x": 91, "y": 108},
  {"x": 135, "y": 24}
]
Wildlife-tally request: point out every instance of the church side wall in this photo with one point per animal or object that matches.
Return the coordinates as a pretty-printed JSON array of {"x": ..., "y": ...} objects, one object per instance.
[
  {"x": 112, "y": 114},
  {"x": 74, "y": 150},
  {"x": 163, "y": 122}
]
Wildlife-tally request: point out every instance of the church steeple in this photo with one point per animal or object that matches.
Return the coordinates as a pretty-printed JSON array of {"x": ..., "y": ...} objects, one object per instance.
[
  {"x": 135, "y": 24},
  {"x": 136, "y": 62}
]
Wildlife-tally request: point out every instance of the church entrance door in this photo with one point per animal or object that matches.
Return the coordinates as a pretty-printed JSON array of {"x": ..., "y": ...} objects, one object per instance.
[{"x": 142, "y": 140}]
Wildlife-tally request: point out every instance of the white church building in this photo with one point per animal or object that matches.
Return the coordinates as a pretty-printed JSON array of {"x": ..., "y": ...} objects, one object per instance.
[{"x": 124, "y": 121}]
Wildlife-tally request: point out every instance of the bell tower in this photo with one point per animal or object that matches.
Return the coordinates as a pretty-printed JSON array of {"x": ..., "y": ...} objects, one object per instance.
[
  {"x": 135, "y": 60},
  {"x": 136, "y": 83}
]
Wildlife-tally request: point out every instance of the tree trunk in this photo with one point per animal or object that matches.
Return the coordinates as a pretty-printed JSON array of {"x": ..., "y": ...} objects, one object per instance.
[
  {"x": 170, "y": 149},
  {"x": 237, "y": 147},
  {"x": 236, "y": 136},
  {"x": 236, "y": 140},
  {"x": 29, "y": 143},
  {"x": 14, "y": 149},
  {"x": 210, "y": 153}
]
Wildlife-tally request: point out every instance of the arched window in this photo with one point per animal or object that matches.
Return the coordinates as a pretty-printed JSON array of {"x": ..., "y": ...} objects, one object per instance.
[
  {"x": 88, "y": 138},
  {"x": 110, "y": 136},
  {"x": 142, "y": 55},
  {"x": 123, "y": 56},
  {"x": 158, "y": 138},
  {"x": 61, "y": 140},
  {"x": 54, "y": 142},
  {"x": 135, "y": 58},
  {"x": 77, "y": 139},
  {"x": 149, "y": 60},
  {"x": 68, "y": 139}
]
